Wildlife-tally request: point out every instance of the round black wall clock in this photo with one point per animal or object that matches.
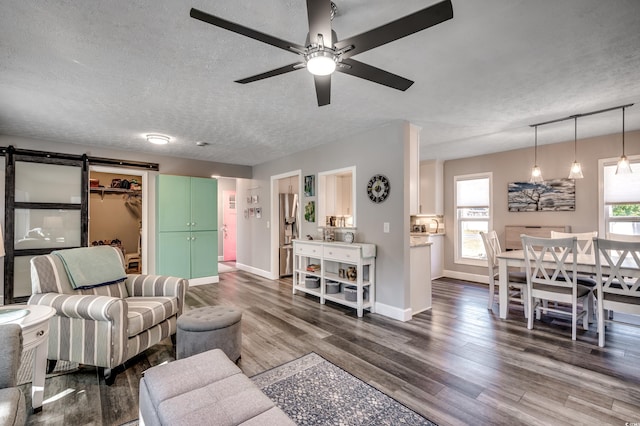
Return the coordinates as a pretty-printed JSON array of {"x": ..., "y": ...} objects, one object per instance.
[{"x": 378, "y": 188}]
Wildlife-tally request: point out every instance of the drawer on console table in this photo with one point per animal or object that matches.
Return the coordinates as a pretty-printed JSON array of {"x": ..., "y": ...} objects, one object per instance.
[
  {"x": 313, "y": 250},
  {"x": 345, "y": 254}
]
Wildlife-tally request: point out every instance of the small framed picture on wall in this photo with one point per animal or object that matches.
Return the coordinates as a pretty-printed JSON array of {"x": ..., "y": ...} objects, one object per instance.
[{"x": 310, "y": 185}]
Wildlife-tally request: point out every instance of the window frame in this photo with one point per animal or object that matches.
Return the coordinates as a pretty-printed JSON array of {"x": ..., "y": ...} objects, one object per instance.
[
  {"x": 458, "y": 259},
  {"x": 603, "y": 217}
]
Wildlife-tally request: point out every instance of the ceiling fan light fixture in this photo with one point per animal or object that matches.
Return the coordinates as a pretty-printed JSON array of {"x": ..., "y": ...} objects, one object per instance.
[
  {"x": 321, "y": 63},
  {"x": 158, "y": 139}
]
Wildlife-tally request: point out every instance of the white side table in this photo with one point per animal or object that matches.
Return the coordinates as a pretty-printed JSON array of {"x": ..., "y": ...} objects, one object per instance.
[{"x": 35, "y": 333}]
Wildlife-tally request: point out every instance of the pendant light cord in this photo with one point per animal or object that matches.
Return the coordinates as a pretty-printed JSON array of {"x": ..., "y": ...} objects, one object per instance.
[
  {"x": 575, "y": 139},
  {"x": 535, "y": 151},
  {"x": 623, "y": 130}
]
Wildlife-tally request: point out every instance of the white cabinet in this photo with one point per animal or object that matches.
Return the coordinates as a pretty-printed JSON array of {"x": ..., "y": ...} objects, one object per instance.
[
  {"x": 343, "y": 195},
  {"x": 420, "y": 278},
  {"x": 431, "y": 187},
  {"x": 437, "y": 255},
  {"x": 335, "y": 195},
  {"x": 414, "y": 169},
  {"x": 322, "y": 262}
]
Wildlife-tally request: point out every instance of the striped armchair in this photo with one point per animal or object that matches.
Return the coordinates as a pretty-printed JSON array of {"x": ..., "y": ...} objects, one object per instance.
[{"x": 109, "y": 324}]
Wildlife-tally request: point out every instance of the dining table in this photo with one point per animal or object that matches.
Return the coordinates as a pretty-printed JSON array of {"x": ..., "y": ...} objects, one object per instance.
[{"x": 585, "y": 264}]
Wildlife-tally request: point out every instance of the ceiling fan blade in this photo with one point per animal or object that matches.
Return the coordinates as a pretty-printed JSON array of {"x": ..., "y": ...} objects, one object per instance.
[
  {"x": 323, "y": 89},
  {"x": 319, "y": 13},
  {"x": 362, "y": 70},
  {"x": 272, "y": 73},
  {"x": 397, "y": 29},
  {"x": 239, "y": 29}
]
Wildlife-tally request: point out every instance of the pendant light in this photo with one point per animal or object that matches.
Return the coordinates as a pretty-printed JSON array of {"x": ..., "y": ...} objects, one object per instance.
[
  {"x": 624, "y": 168},
  {"x": 536, "y": 174},
  {"x": 576, "y": 168}
]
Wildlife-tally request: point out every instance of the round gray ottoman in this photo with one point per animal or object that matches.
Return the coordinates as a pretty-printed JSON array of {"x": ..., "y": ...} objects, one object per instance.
[{"x": 210, "y": 327}]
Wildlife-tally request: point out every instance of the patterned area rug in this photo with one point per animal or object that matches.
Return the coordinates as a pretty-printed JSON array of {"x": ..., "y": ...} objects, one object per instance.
[
  {"x": 313, "y": 391},
  {"x": 25, "y": 371}
]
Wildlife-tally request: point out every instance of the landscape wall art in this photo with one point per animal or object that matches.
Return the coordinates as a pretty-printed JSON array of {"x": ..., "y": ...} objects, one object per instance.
[{"x": 550, "y": 195}]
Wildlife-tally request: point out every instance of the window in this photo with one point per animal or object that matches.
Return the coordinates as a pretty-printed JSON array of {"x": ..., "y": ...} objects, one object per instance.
[
  {"x": 620, "y": 199},
  {"x": 473, "y": 215}
]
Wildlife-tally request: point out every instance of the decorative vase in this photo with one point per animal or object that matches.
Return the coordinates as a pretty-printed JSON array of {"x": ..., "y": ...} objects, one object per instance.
[{"x": 352, "y": 273}]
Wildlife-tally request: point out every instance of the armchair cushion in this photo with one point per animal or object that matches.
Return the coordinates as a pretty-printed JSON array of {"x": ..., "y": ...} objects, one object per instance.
[
  {"x": 138, "y": 285},
  {"x": 145, "y": 312}
]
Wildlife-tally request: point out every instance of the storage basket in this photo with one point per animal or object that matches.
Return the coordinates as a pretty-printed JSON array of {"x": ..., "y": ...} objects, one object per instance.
[
  {"x": 350, "y": 293},
  {"x": 312, "y": 282},
  {"x": 333, "y": 287}
]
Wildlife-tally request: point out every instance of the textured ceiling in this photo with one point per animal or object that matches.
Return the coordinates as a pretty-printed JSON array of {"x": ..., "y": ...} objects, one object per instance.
[{"x": 107, "y": 72}]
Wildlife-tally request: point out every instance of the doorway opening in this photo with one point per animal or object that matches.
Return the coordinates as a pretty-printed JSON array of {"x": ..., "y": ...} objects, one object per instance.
[
  {"x": 285, "y": 211},
  {"x": 227, "y": 217},
  {"x": 117, "y": 208}
]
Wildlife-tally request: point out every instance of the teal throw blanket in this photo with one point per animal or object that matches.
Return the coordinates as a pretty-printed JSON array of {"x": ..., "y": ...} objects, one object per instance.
[{"x": 89, "y": 267}]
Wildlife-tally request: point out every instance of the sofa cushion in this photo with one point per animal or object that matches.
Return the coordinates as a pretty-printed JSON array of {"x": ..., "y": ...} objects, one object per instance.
[
  {"x": 168, "y": 380},
  {"x": 13, "y": 410},
  {"x": 226, "y": 402},
  {"x": 145, "y": 312}
]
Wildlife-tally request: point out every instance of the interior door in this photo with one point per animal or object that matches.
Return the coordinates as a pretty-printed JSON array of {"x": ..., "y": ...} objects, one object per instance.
[
  {"x": 46, "y": 207},
  {"x": 229, "y": 226}
]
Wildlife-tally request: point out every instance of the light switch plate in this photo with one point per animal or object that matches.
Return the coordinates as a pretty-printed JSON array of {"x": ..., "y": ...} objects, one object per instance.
[{"x": 386, "y": 227}]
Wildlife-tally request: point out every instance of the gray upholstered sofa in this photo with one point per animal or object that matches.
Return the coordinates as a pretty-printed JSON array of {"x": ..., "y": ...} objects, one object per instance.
[
  {"x": 105, "y": 325},
  {"x": 13, "y": 410},
  {"x": 205, "y": 389}
]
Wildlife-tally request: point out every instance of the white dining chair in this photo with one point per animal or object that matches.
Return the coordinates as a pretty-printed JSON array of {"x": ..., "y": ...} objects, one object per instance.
[
  {"x": 585, "y": 246},
  {"x": 551, "y": 270},
  {"x": 585, "y": 239},
  {"x": 619, "y": 289},
  {"x": 517, "y": 280}
]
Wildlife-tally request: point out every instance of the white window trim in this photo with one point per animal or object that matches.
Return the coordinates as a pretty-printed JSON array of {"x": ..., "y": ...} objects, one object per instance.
[
  {"x": 602, "y": 222},
  {"x": 456, "y": 229}
]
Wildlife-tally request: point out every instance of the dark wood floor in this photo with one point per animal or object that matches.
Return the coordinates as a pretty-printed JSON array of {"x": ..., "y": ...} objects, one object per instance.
[{"x": 457, "y": 364}]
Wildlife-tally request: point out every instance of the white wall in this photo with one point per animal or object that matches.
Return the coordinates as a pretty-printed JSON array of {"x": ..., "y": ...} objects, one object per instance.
[{"x": 378, "y": 151}]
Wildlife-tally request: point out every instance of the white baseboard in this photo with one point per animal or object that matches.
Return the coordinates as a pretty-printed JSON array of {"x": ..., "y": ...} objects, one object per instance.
[
  {"x": 393, "y": 312},
  {"x": 204, "y": 280},
  {"x": 465, "y": 276},
  {"x": 260, "y": 272}
]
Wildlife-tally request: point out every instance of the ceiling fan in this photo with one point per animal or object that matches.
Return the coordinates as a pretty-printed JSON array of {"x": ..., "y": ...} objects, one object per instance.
[{"x": 323, "y": 53}]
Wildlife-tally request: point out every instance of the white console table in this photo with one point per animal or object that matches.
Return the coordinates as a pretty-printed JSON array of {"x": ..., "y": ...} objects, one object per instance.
[{"x": 333, "y": 256}]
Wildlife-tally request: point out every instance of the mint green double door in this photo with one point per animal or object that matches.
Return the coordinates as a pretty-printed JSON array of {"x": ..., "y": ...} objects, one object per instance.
[{"x": 187, "y": 212}]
